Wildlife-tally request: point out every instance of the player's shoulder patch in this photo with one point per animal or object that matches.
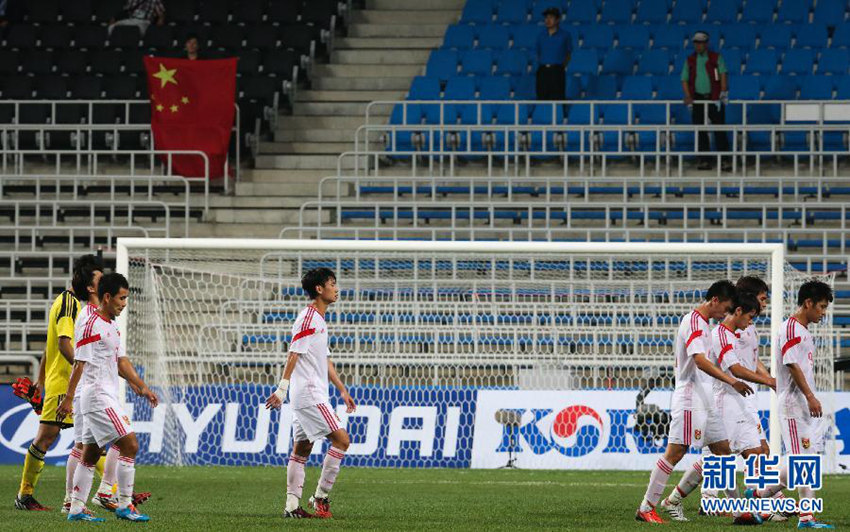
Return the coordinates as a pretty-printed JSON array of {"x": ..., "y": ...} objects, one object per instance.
[{"x": 69, "y": 306}]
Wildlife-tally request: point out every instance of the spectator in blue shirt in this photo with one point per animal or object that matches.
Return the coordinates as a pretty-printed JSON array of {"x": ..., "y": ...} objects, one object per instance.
[{"x": 554, "y": 48}]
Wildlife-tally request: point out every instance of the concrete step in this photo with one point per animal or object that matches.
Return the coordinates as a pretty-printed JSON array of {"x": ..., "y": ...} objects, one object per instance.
[
  {"x": 349, "y": 96},
  {"x": 279, "y": 200},
  {"x": 398, "y": 16},
  {"x": 314, "y": 135},
  {"x": 303, "y": 191},
  {"x": 304, "y": 148},
  {"x": 339, "y": 109},
  {"x": 415, "y": 5},
  {"x": 296, "y": 122},
  {"x": 359, "y": 71},
  {"x": 302, "y": 162},
  {"x": 397, "y": 30},
  {"x": 401, "y": 83},
  {"x": 380, "y": 57},
  {"x": 227, "y": 230},
  {"x": 247, "y": 218},
  {"x": 395, "y": 43},
  {"x": 274, "y": 175}
]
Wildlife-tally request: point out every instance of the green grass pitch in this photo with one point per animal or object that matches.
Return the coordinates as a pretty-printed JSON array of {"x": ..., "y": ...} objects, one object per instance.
[{"x": 251, "y": 498}]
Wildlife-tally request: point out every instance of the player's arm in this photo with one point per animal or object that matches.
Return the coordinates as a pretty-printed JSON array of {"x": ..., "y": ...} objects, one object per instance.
[
  {"x": 815, "y": 408},
  {"x": 753, "y": 376},
  {"x": 66, "y": 348},
  {"x": 762, "y": 369},
  {"x": 39, "y": 384},
  {"x": 704, "y": 364},
  {"x": 333, "y": 376},
  {"x": 66, "y": 407},
  {"x": 276, "y": 398},
  {"x": 126, "y": 370}
]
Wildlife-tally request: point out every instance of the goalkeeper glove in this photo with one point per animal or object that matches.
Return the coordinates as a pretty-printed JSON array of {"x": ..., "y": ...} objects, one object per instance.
[{"x": 26, "y": 390}]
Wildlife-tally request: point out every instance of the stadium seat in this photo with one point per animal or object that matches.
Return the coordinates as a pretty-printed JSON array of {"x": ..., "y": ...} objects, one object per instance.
[
  {"x": 57, "y": 37},
  {"x": 512, "y": 63},
  {"x": 597, "y": 37},
  {"x": 249, "y": 62},
  {"x": 319, "y": 12},
  {"x": 124, "y": 37},
  {"x": 442, "y": 64},
  {"x": 476, "y": 62},
  {"x": 830, "y": 12},
  {"x": 798, "y": 61},
  {"x": 602, "y": 87},
  {"x": 583, "y": 12},
  {"x": 618, "y": 62},
  {"x": 617, "y": 11},
  {"x": 759, "y": 11},
  {"x": 424, "y": 88},
  {"x": 637, "y": 88},
  {"x": 42, "y": 11},
  {"x": 546, "y": 115},
  {"x": 841, "y": 36},
  {"x": 281, "y": 63},
  {"x": 762, "y": 61},
  {"x": 525, "y": 37},
  {"x": 584, "y": 62},
  {"x": 733, "y": 57},
  {"x": 460, "y": 88},
  {"x": 71, "y": 62},
  {"x": 655, "y": 62},
  {"x": 777, "y": 36},
  {"x": 670, "y": 37},
  {"x": 813, "y": 36},
  {"x": 494, "y": 37},
  {"x": 214, "y": 12},
  {"x": 669, "y": 88},
  {"x": 512, "y": 13},
  {"x": 636, "y": 37},
  {"x": 723, "y": 11},
  {"x": 249, "y": 11},
  {"x": 297, "y": 37},
  {"x": 581, "y": 115},
  {"x": 738, "y": 36},
  {"x": 159, "y": 38},
  {"x": 834, "y": 61},
  {"x": 744, "y": 87},
  {"x": 86, "y": 88},
  {"x": 459, "y": 37},
  {"x": 37, "y": 62},
  {"x": 106, "y": 62},
  {"x": 281, "y": 12},
  {"x": 688, "y": 12},
  {"x": 78, "y": 12},
  {"x": 477, "y": 12},
  {"x": 816, "y": 88},
  {"x": 614, "y": 114},
  {"x": 794, "y": 11},
  {"x": 652, "y": 12},
  {"x": 22, "y": 37}
]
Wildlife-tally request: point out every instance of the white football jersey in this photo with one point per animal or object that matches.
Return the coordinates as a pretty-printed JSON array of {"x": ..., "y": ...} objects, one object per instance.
[
  {"x": 797, "y": 347},
  {"x": 692, "y": 384},
  {"x": 309, "y": 382},
  {"x": 748, "y": 355},
  {"x": 724, "y": 351},
  {"x": 99, "y": 346}
]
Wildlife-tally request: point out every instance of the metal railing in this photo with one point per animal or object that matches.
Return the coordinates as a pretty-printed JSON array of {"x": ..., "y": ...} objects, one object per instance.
[{"x": 29, "y": 237}]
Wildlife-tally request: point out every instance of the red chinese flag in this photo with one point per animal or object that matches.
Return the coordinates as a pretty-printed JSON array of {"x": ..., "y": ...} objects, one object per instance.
[{"x": 192, "y": 109}]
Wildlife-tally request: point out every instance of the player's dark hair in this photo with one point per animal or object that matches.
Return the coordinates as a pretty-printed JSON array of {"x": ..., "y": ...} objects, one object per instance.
[
  {"x": 817, "y": 291},
  {"x": 83, "y": 275},
  {"x": 751, "y": 285},
  {"x": 111, "y": 284},
  {"x": 747, "y": 302},
  {"x": 723, "y": 290},
  {"x": 192, "y": 35},
  {"x": 316, "y": 277}
]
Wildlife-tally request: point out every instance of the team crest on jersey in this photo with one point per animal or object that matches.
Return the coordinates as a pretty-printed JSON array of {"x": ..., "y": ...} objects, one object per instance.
[
  {"x": 126, "y": 420},
  {"x": 697, "y": 434},
  {"x": 806, "y": 443}
]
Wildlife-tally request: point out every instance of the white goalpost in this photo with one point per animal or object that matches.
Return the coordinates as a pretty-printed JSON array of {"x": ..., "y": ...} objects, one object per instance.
[{"x": 460, "y": 354}]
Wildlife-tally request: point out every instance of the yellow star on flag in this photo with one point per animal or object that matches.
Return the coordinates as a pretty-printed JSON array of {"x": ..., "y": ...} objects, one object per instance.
[
  {"x": 165, "y": 75},
  {"x": 174, "y": 108},
  {"x": 160, "y": 107},
  {"x": 185, "y": 99}
]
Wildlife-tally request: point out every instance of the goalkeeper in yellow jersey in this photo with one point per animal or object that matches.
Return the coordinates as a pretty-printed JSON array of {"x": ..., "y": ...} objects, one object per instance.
[{"x": 53, "y": 375}]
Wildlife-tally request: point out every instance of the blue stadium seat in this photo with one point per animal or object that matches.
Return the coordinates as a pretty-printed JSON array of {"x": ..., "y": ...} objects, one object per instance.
[
  {"x": 744, "y": 87},
  {"x": 542, "y": 5},
  {"x": 671, "y": 37},
  {"x": 584, "y": 62},
  {"x": 812, "y": 36},
  {"x": 794, "y": 11},
  {"x": 602, "y": 87},
  {"x": 598, "y": 37},
  {"x": 617, "y": 11},
  {"x": 843, "y": 88},
  {"x": 491, "y": 89},
  {"x": 477, "y": 12},
  {"x": 816, "y": 88},
  {"x": 668, "y": 88},
  {"x": 583, "y": 12},
  {"x": 477, "y": 62},
  {"x": 525, "y": 37},
  {"x": 762, "y": 61},
  {"x": 634, "y": 36},
  {"x": 512, "y": 13},
  {"x": 798, "y": 61},
  {"x": 460, "y": 88},
  {"x": 652, "y": 12},
  {"x": 424, "y": 88},
  {"x": 646, "y": 114},
  {"x": 580, "y": 115},
  {"x": 637, "y": 88},
  {"x": 545, "y": 115},
  {"x": 442, "y": 64},
  {"x": 619, "y": 62},
  {"x": 738, "y": 36},
  {"x": 841, "y": 36},
  {"x": 723, "y": 11},
  {"x": 512, "y": 63},
  {"x": 777, "y": 36},
  {"x": 759, "y": 11},
  {"x": 614, "y": 114},
  {"x": 656, "y": 62},
  {"x": 733, "y": 59},
  {"x": 830, "y": 12},
  {"x": 688, "y": 12},
  {"x": 459, "y": 37},
  {"x": 493, "y": 37},
  {"x": 834, "y": 61}
]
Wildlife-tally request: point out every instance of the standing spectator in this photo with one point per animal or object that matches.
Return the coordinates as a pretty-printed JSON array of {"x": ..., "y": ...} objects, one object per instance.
[
  {"x": 192, "y": 47},
  {"x": 141, "y": 13},
  {"x": 704, "y": 79},
  {"x": 554, "y": 48}
]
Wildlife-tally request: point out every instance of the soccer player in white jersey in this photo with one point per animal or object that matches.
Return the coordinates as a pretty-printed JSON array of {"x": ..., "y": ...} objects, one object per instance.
[
  {"x": 800, "y": 411},
  {"x": 306, "y": 374},
  {"x": 694, "y": 422},
  {"x": 742, "y": 430},
  {"x": 97, "y": 358}
]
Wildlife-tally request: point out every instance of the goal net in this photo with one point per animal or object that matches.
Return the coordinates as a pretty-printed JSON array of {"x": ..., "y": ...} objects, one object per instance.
[{"x": 458, "y": 354}]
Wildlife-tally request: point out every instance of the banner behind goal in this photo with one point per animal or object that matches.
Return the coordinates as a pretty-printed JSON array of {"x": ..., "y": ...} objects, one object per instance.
[{"x": 458, "y": 354}]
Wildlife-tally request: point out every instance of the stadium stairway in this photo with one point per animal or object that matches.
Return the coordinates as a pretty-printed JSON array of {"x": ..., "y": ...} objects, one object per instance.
[{"x": 386, "y": 45}]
